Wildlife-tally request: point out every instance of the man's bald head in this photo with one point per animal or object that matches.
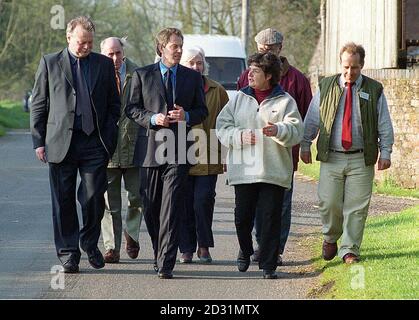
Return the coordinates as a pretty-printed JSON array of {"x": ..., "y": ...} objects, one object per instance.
[{"x": 113, "y": 48}]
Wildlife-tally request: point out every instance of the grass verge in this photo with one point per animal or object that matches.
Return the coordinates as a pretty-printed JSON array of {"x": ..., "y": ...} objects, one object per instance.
[
  {"x": 12, "y": 116},
  {"x": 389, "y": 262}
]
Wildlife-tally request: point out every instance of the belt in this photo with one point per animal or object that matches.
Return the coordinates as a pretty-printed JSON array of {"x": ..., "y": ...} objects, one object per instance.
[{"x": 348, "y": 152}]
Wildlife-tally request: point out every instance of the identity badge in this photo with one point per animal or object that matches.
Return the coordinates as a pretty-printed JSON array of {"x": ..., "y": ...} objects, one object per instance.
[{"x": 364, "y": 95}]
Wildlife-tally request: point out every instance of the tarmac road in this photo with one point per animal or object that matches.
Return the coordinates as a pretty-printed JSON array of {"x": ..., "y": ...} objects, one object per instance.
[{"x": 27, "y": 251}]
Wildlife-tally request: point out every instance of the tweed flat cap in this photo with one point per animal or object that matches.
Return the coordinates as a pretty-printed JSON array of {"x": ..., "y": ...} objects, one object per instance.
[{"x": 269, "y": 36}]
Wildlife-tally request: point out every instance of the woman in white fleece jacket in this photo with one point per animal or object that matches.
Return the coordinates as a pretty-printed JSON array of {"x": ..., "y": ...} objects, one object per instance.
[{"x": 259, "y": 127}]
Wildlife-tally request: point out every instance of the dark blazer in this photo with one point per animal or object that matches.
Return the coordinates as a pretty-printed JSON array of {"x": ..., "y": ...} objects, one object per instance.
[
  {"x": 54, "y": 103},
  {"x": 148, "y": 98}
]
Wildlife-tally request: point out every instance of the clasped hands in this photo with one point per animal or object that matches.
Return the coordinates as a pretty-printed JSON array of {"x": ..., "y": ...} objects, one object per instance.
[
  {"x": 173, "y": 116},
  {"x": 249, "y": 136}
]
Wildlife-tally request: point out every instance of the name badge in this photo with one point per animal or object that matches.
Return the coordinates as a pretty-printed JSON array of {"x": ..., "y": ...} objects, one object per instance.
[{"x": 364, "y": 95}]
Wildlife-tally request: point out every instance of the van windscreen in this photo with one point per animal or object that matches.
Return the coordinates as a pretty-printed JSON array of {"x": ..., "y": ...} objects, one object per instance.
[{"x": 226, "y": 71}]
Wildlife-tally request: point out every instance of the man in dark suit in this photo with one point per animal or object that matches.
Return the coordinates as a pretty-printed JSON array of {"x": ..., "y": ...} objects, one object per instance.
[
  {"x": 166, "y": 100},
  {"x": 74, "y": 114}
]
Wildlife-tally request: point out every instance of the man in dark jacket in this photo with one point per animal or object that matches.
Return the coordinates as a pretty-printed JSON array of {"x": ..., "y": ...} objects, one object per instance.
[
  {"x": 166, "y": 100},
  {"x": 74, "y": 114}
]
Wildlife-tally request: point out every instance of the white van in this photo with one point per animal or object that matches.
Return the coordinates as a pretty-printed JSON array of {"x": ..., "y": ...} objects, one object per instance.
[{"x": 225, "y": 55}]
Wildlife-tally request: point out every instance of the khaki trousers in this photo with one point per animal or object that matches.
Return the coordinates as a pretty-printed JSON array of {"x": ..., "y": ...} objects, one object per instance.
[
  {"x": 344, "y": 191},
  {"x": 112, "y": 219}
]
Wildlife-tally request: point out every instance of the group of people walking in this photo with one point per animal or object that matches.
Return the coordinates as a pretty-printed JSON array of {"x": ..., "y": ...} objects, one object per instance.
[{"x": 108, "y": 120}]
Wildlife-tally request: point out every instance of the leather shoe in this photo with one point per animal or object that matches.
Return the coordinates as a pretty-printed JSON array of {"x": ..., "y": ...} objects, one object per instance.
[
  {"x": 269, "y": 274},
  {"x": 132, "y": 247},
  {"x": 329, "y": 250},
  {"x": 243, "y": 262},
  {"x": 71, "y": 266},
  {"x": 165, "y": 275},
  {"x": 186, "y": 257},
  {"x": 111, "y": 256},
  {"x": 95, "y": 258},
  {"x": 350, "y": 258}
]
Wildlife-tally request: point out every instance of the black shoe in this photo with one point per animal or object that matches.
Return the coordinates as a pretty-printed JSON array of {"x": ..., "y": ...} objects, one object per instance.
[
  {"x": 243, "y": 262},
  {"x": 269, "y": 274},
  {"x": 95, "y": 258},
  {"x": 165, "y": 275},
  {"x": 155, "y": 266},
  {"x": 71, "y": 266}
]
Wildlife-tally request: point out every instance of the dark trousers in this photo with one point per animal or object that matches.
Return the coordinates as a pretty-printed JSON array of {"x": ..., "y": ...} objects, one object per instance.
[
  {"x": 266, "y": 199},
  {"x": 163, "y": 192},
  {"x": 285, "y": 219},
  {"x": 87, "y": 156},
  {"x": 196, "y": 222}
]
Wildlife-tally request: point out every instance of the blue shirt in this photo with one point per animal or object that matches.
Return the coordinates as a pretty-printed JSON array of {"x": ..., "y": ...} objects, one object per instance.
[
  {"x": 163, "y": 70},
  {"x": 122, "y": 74}
]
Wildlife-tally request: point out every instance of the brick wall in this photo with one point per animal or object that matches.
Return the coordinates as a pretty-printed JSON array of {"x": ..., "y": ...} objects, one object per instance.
[{"x": 401, "y": 87}]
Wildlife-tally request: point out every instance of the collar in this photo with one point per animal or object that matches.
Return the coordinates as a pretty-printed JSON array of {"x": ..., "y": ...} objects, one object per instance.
[
  {"x": 357, "y": 81},
  {"x": 164, "y": 68},
  {"x": 285, "y": 65},
  {"x": 276, "y": 91},
  {"x": 73, "y": 58},
  {"x": 123, "y": 69}
]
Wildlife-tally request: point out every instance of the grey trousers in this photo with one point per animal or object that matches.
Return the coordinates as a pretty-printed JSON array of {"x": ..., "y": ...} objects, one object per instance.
[
  {"x": 112, "y": 219},
  {"x": 344, "y": 190}
]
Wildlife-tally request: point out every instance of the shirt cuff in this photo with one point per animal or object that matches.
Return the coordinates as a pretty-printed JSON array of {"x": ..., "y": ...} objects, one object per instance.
[
  {"x": 384, "y": 154},
  {"x": 187, "y": 117},
  {"x": 153, "y": 119}
]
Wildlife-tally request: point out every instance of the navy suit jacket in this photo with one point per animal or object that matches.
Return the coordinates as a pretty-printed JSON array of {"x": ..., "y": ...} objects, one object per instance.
[
  {"x": 54, "y": 103},
  {"x": 148, "y": 98}
]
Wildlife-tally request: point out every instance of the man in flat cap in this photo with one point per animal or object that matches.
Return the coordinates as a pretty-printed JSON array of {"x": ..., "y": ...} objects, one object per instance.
[{"x": 297, "y": 85}]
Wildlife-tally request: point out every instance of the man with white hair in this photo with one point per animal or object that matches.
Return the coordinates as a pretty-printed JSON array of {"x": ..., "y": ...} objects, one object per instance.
[
  {"x": 122, "y": 166},
  {"x": 296, "y": 84}
]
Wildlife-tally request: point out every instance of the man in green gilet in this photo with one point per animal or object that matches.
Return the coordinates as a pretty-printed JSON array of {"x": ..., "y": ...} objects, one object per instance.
[{"x": 350, "y": 115}]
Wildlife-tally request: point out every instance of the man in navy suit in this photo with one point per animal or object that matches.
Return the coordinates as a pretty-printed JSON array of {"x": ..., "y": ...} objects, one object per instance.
[{"x": 166, "y": 100}]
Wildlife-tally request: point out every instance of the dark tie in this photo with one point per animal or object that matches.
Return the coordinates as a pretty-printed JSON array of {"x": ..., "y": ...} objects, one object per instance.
[
  {"x": 118, "y": 81},
  {"x": 169, "y": 89},
  {"x": 83, "y": 102},
  {"x": 347, "y": 119}
]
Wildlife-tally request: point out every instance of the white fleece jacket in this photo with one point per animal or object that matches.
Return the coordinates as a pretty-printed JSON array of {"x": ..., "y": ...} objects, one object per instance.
[{"x": 270, "y": 159}]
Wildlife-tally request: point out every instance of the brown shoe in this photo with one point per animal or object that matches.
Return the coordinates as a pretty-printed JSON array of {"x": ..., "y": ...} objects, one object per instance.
[
  {"x": 329, "y": 250},
  {"x": 132, "y": 247},
  {"x": 350, "y": 258},
  {"x": 111, "y": 256}
]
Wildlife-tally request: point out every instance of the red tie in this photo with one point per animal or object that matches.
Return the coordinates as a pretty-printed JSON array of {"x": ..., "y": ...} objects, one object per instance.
[{"x": 347, "y": 119}]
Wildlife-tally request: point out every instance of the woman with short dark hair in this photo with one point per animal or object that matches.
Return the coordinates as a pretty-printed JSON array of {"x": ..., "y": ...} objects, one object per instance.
[{"x": 260, "y": 126}]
